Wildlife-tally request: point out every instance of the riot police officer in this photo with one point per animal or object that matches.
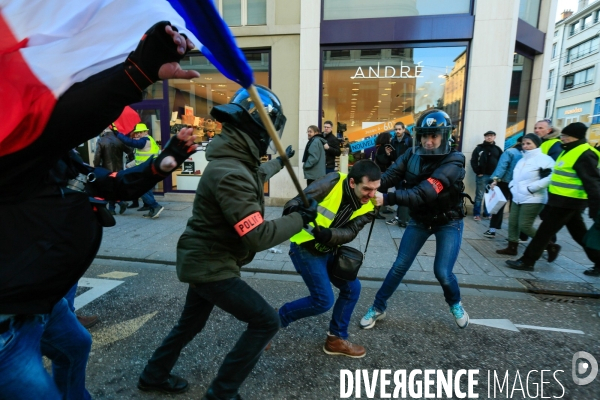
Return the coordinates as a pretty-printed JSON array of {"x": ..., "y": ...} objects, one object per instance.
[{"x": 434, "y": 174}]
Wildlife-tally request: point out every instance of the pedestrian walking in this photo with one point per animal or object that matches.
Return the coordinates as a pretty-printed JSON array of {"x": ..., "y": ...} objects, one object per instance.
[
  {"x": 502, "y": 176},
  {"x": 434, "y": 174},
  {"x": 484, "y": 160},
  {"x": 531, "y": 177},
  {"x": 226, "y": 229},
  {"x": 574, "y": 185},
  {"x": 314, "y": 159},
  {"x": 346, "y": 205},
  {"x": 332, "y": 147},
  {"x": 551, "y": 144}
]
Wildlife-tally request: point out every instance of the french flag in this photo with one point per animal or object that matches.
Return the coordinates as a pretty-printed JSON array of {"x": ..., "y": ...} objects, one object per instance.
[{"x": 46, "y": 46}]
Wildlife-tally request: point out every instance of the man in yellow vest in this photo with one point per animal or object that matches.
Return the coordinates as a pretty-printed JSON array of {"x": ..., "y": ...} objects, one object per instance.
[
  {"x": 346, "y": 205},
  {"x": 574, "y": 185},
  {"x": 145, "y": 147},
  {"x": 551, "y": 144}
]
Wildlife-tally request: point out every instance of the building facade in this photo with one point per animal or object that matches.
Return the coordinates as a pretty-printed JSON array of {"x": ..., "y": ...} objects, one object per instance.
[
  {"x": 573, "y": 90},
  {"x": 365, "y": 65}
]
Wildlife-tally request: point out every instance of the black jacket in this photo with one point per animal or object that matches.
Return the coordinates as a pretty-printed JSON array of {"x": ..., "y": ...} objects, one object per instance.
[
  {"x": 333, "y": 151},
  {"x": 109, "y": 152},
  {"x": 427, "y": 201},
  {"x": 586, "y": 167},
  {"x": 400, "y": 146},
  {"x": 485, "y": 158}
]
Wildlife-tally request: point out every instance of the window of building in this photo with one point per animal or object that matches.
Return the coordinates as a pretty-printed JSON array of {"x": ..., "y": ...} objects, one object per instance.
[
  {"x": 583, "y": 49},
  {"x": 357, "y": 9},
  {"x": 243, "y": 12},
  {"x": 518, "y": 100},
  {"x": 554, "y": 51},
  {"x": 596, "y": 16},
  {"x": 529, "y": 11},
  {"x": 579, "y": 78},
  {"x": 547, "y": 109},
  {"x": 586, "y": 21},
  {"x": 573, "y": 28},
  {"x": 373, "y": 93},
  {"x": 191, "y": 101},
  {"x": 551, "y": 79},
  {"x": 555, "y": 33}
]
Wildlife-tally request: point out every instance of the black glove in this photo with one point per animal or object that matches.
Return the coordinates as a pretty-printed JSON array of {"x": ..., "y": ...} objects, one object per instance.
[
  {"x": 308, "y": 213},
  {"x": 544, "y": 172},
  {"x": 155, "y": 49},
  {"x": 323, "y": 235},
  {"x": 289, "y": 153},
  {"x": 176, "y": 148}
]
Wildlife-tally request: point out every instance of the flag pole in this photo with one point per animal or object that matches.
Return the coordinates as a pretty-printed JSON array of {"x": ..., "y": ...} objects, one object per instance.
[{"x": 273, "y": 134}]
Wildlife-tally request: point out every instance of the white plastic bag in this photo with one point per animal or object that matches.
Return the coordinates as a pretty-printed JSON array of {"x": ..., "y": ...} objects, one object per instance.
[{"x": 494, "y": 200}]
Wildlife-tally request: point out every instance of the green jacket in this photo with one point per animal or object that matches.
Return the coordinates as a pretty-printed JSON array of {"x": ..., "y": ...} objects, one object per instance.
[{"x": 215, "y": 243}]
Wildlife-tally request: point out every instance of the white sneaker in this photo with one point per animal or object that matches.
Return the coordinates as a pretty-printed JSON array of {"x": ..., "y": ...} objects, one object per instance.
[
  {"x": 370, "y": 318},
  {"x": 460, "y": 315}
]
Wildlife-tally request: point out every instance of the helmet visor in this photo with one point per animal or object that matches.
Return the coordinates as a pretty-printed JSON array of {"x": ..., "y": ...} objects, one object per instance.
[{"x": 432, "y": 141}]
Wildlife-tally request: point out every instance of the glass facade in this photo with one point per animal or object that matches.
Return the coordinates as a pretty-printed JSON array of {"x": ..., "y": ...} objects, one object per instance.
[
  {"x": 354, "y": 9},
  {"x": 529, "y": 11},
  {"x": 518, "y": 100},
  {"x": 365, "y": 91}
]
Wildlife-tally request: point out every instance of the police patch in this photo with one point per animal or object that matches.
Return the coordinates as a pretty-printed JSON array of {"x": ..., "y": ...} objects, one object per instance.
[
  {"x": 249, "y": 223},
  {"x": 430, "y": 121}
]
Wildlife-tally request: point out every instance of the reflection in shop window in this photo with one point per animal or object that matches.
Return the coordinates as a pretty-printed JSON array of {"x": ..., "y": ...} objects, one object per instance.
[
  {"x": 518, "y": 99},
  {"x": 355, "y": 9},
  {"x": 371, "y": 89}
]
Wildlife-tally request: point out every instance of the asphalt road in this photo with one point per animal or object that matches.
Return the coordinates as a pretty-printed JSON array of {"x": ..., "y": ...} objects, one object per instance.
[{"x": 418, "y": 334}]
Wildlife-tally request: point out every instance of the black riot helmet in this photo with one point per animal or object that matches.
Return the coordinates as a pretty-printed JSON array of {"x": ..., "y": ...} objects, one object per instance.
[
  {"x": 242, "y": 113},
  {"x": 433, "y": 124}
]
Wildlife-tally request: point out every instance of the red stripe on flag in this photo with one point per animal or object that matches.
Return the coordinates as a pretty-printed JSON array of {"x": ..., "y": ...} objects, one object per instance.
[{"x": 26, "y": 103}]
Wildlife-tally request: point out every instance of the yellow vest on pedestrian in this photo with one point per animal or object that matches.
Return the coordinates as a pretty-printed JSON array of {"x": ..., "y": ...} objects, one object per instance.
[
  {"x": 141, "y": 156},
  {"x": 327, "y": 210},
  {"x": 564, "y": 181},
  {"x": 547, "y": 145}
]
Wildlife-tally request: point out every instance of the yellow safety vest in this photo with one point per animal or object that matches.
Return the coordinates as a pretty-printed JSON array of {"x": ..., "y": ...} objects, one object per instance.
[
  {"x": 547, "y": 145},
  {"x": 327, "y": 211},
  {"x": 564, "y": 180},
  {"x": 141, "y": 156}
]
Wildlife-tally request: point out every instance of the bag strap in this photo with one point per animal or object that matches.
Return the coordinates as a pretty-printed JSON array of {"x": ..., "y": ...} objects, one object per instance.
[{"x": 370, "y": 230}]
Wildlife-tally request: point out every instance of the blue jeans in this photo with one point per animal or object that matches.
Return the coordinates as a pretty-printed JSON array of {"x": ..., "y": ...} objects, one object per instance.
[
  {"x": 57, "y": 335},
  {"x": 448, "y": 239},
  {"x": 148, "y": 199},
  {"x": 479, "y": 191},
  {"x": 314, "y": 273}
]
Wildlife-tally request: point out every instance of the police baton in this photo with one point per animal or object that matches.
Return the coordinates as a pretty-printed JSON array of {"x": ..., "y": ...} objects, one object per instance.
[{"x": 271, "y": 131}]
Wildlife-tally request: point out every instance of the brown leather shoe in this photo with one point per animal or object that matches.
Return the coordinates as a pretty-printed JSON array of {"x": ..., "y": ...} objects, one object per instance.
[
  {"x": 88, "y": 322},
  {"x": 336, "y": 346}
]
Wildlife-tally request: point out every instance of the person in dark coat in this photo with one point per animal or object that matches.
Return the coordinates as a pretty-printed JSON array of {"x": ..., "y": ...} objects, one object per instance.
[
  {"x": 401, "y": 142},
  {"x": 109, "y": 155},
  {"x": 225, "y": 231},
  {"x": 434, "y": 174},
  {"x": 52, "y": 222},
  {"x": 484, "y": 160},
  {"x": 332, "y": 147}
]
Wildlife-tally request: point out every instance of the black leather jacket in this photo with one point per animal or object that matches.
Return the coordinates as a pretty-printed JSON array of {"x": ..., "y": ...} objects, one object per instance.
[
  {"x": 428, "y": 202},
  {"x": 109, "y": 152}
]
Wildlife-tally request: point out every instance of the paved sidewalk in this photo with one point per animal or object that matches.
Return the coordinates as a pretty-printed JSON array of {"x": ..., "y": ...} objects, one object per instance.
[{"x": 138, "y": 239}]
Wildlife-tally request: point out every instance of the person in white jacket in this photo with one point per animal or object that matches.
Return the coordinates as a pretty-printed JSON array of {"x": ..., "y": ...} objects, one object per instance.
[{"x": 528, "y": 187}]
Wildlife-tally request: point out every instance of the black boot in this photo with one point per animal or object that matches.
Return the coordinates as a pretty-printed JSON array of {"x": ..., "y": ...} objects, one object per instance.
[
  {"x": 594, "y": 271},
  {"x": 173, "y": 385},
  {"x": 553, "y": 250},
  {"x": 519, "y": 264}
]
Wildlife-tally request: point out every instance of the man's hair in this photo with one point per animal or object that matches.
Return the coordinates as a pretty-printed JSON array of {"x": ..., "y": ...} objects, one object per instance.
[
  {"x": 383, "y": 139},
  {"x": 547, "y": 121},
  {"x": 400, "y": 123},
  {"x": 328, "y": 122},
  {"x": 364, "y": 168}
]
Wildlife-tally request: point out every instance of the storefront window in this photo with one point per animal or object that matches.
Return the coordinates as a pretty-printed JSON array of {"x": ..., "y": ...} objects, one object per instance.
[
  {"x": 190, "y": 103},
  {"x": 367, "y": 90},
  {"x": 529, "y": 10},
  {"x": 519, "y": 99},
  {"x": 355, "y": 9}
]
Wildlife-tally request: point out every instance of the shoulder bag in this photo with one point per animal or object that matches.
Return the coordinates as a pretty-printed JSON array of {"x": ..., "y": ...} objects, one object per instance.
[{"x": 348, "y": 260}]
